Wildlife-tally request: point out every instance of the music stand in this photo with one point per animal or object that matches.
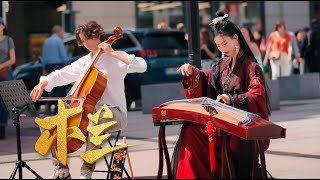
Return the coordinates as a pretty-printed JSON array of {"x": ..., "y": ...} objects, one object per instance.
[{"x": 17, "y": 101}]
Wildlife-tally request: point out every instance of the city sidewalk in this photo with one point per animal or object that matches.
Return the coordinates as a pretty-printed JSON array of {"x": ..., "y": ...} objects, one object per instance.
[{"x": 295, "y": 157}]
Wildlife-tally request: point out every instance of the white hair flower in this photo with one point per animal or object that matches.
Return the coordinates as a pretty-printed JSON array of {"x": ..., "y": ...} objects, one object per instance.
[{"x": 217, "y": 19}]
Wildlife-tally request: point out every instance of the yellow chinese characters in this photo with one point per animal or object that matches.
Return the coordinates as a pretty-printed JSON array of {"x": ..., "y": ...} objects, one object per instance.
[
  {"x": 120, "y": 156},
  {"x": 92, "y": 156},
  {"x": 56, "y": 130},
  {"x": 56, "y": 133}
]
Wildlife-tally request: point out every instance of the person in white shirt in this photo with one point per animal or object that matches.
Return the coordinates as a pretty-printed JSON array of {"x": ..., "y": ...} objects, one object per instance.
[{"x": 114, "y": 64}]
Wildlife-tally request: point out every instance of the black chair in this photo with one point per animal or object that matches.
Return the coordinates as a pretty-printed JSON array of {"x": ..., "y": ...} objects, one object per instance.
[{"x": 109, "y": 162}]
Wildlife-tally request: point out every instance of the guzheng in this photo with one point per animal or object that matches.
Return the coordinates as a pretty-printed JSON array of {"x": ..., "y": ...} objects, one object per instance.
[{"x": 240, "y": 123}]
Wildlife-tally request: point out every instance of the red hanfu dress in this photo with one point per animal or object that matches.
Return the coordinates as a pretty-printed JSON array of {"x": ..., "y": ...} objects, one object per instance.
[{"x": 245, "y": 87}]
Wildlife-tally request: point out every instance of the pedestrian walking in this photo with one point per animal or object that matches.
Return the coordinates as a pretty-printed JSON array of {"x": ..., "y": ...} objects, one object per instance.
[{"x": 7, "y": 59}]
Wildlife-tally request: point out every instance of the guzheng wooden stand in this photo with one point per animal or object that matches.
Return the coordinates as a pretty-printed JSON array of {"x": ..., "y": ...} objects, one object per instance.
[
  {"x": 227, "y": 170},
  {"x": 227, "y": 120}
]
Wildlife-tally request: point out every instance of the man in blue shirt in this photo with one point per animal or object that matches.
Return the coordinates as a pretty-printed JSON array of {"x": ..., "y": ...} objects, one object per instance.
[{"x": 54, "y": 56}]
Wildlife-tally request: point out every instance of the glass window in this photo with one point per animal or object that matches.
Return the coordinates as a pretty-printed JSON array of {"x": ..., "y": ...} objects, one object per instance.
[
  {"x": 159, "y": 14},
  {"x": 242, "y": 13},
  {"x": 167, "y": 14},
  {"x": 205, "y": 13}
]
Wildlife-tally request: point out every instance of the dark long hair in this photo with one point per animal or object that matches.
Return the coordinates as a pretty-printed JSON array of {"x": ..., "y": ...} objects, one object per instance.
[
  {"x": 227, "y": 28},
  {"x": 5, "y": 31}
]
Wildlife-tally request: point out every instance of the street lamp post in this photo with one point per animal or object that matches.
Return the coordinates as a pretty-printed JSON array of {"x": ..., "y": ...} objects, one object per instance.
[{"x": 192, "y": 18}]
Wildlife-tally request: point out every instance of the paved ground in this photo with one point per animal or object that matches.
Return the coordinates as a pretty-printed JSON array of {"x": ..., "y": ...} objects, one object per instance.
[{"x": 295, "y": 157}]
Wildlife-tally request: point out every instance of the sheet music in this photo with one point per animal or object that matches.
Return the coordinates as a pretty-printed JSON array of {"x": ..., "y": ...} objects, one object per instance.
[{"x": 15, "y": 95}]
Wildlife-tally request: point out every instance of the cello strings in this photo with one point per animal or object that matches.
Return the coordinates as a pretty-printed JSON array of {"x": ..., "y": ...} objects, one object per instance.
[
  {"x": 118, "y": 33},
  {"x": 75, "y": 86}
]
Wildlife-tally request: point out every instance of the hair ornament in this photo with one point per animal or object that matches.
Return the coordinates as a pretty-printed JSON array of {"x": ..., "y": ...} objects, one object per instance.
[{"x": 217, "y": 19}]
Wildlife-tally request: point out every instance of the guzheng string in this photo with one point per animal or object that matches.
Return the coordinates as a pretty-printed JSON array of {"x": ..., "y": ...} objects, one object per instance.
[
  {"x": 233, "y": 112},
  {"x": 207, "y": 102}
]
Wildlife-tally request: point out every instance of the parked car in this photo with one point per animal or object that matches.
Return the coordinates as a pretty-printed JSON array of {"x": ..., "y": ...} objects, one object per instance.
[{"x": 164, "y": 50}]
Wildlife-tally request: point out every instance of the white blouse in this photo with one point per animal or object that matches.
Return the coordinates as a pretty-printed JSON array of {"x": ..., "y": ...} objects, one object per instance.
[{"x": 114, "y": 69}]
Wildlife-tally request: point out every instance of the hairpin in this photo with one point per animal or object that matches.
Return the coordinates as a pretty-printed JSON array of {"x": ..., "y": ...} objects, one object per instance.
[{"x": 217, "y": 19}]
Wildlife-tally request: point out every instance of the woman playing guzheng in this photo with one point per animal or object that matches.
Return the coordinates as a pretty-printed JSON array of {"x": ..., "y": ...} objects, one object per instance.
[{"x": 236, "y": 80}]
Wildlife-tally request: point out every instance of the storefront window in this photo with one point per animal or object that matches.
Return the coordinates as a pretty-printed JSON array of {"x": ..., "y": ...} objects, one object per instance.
[
  {"x": 205, "y": 13},
  {"x": 167, "y": 14},
  {"x": 161, "y": 14},
  {"x": 243, "y": 13}
]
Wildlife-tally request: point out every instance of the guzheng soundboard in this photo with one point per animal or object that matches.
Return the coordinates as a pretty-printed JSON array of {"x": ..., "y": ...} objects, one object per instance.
[{"x": 231, "y": 120}]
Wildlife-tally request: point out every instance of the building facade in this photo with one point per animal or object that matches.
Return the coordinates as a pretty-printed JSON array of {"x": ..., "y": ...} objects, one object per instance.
[{"x": 35, "y": 19}]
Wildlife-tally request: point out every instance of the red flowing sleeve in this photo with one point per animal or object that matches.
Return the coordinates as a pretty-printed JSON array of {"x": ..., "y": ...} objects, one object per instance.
[
  {"x": 254, "y": 98},
  {"x": 198, "y": 84}
]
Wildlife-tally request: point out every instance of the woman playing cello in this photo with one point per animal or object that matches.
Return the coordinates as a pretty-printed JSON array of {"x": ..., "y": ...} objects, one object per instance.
[{"x": 114, "y": 64}]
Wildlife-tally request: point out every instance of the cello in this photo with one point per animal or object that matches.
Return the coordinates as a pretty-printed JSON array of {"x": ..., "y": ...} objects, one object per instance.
[{"x": 86, "y": 92}]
